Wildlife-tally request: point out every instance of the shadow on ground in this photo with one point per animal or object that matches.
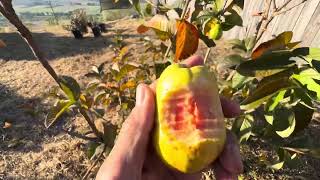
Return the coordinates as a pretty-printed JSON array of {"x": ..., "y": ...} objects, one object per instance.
[
  {"x": 54, "y": 46},
  {"x": 26, "y": 118}
]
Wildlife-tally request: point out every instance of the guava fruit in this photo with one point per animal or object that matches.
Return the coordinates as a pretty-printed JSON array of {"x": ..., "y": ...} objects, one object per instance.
[
  {"x": 213, "y": 29},
  {"x": 190, "y": 130}
]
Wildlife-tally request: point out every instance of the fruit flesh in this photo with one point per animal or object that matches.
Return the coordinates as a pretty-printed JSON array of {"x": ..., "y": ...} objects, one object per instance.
[{"x": 190, "y": 130}]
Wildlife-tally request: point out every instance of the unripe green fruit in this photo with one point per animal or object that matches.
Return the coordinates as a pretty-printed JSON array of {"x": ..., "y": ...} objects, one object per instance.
[
  {"x": 213, "y": 29},
  {"x": 190, "y": 130}
]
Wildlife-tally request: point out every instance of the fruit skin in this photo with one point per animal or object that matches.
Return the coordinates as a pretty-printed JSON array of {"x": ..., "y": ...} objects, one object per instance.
[
  {"x": 188, "y": 149},
  {"x": 213, "y": 29}
]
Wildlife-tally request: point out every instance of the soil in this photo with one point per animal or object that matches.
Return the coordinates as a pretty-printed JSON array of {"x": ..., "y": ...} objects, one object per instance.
[{"x": 28, "y": 150}]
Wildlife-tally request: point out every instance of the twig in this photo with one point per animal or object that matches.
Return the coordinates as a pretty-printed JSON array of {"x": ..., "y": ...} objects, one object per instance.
[
  {"x": 7, "y": 11},
  {"x": 182, "y": 17},
  {"x": 91, "y": 124},
  {"x": 286, "y": 10},
  {"x": 94, "y": 164},
  {"x": 207, "y": 55},
  {"x": 284, "y": 5},
  {"x": 274, "y": 4}
]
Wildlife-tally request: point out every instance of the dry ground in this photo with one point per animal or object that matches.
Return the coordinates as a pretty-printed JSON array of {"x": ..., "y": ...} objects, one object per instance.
[{"x": 30, "y": 151}]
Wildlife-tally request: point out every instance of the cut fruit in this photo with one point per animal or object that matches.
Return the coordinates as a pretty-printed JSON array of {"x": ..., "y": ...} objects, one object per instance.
[{"x": 190, "y": 130}]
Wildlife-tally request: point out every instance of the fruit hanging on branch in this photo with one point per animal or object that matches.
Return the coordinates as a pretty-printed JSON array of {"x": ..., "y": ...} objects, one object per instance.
[{"x": 190, "y": 130}]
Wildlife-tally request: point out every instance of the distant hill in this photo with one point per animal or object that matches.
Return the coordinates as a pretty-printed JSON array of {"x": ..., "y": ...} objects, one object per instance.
[{"x": 45, "y": 2}]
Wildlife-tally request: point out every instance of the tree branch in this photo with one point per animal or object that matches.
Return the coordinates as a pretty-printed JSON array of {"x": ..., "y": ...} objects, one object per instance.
[
  {"x": 7, "y": 11},
  {"x": 286, "y": 10}
]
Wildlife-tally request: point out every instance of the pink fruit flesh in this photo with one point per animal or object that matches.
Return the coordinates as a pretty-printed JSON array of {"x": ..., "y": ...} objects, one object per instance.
[{"x": 187, "y": 112}]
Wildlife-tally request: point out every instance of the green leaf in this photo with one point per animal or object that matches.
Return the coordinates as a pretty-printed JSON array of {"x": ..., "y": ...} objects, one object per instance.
[
  {"x": 311, "y": 53},
  {"x": 267, "y": 65},
  {"x": 219, "y": 4},
  {"x": 136, "y": 5},
  {"x": 250, "y": 42},
  {"x": 316, "y": 65},
  {"x": 266, "y": 88},
  {"x": 234, "y": 18},
  {"x": 238, "y": 80},
  {"x": 124, "y": 71},
  {"x": 307, "y": 78},
  {"x": 60, "y": 107},
  {"x": 233, "y": 60},
  {"x": 273, "y": 103},
  {"x": 303, "y": 116},
  {"x": 284, "y": 122},
  {"x": 243, "y": 127},
  {"x": 70, "y": 87}
]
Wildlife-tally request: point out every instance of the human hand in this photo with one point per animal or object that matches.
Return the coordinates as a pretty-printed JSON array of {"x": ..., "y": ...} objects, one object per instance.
[{"x": 133, "y": 157}]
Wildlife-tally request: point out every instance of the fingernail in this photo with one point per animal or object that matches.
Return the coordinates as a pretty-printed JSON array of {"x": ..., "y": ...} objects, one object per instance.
[{"x": 140, "y": 94}]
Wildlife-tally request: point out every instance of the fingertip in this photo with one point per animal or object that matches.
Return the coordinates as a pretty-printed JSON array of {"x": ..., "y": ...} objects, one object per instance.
[
  {"x": 230, "y": 158},
  {"x": 222, "y": 174},
  {"x": 194, "y": 60},
  {"x": 230, "y": 108}
]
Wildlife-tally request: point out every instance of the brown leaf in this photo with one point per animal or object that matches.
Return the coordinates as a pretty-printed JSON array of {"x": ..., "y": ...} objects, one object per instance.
[
  {"x": 282, "y": 41},
  {"x": 7, "y": 125},
  {"x": 2, "y": 44},
  {"x": 187, "y": 40}
]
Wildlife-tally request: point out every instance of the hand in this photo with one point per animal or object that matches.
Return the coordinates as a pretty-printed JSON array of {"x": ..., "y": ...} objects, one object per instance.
[{"x": 133, "y": 156}]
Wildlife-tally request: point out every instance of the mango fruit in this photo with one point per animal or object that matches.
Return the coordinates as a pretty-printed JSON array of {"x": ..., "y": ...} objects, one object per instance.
[
  {"x": 213, "y": 29},
  {"x": 190, "y": 130}
]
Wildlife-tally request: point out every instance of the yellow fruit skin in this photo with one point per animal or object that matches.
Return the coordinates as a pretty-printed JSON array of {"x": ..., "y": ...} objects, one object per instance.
[{"x": 189, "y": 151}]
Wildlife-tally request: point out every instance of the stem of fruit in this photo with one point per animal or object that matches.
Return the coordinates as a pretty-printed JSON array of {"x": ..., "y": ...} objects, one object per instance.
[
  {"x": 207, "y": 55},
  {"x": 184, "y": 11}
]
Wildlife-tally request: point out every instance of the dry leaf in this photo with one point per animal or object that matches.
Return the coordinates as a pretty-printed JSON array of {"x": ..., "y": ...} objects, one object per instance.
[
  {"x": 282, "y": 41},
  {"x": 161, "y": 25},
  {"x": 7, "y": 125},
  {"x": 2, "y": 44},
  {"x": 187, "y": 40}
]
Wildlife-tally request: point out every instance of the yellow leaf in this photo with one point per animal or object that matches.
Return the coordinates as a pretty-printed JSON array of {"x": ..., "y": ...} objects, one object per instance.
[
  {"x": 160, "y": 24},
  {"x": 187, "y": 40},
  {"x": 282, "y": 41},
  {"x": 128, "y": 85}
]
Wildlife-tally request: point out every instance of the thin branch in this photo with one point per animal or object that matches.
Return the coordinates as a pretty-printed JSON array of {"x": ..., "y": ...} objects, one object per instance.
[
  {"x": 85, "y": 176},
  {"x": 182, "y": 17},
  {"x": 207, "y": 55},
  {"x": 284, "y": 5},
  {"x": 286, "y": 10},
  {"x": 274, "y": 5},
  {"x": 91, "y": 124}
]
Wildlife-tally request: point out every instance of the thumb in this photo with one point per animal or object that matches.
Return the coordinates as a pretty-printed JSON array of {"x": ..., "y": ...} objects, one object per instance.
[{"x": 130, "y": 148}]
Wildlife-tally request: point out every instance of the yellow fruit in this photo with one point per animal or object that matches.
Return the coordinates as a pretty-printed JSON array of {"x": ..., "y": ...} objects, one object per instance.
[
  {"x": 190, "y": 131},
  {"x": 213, "y": 29}
]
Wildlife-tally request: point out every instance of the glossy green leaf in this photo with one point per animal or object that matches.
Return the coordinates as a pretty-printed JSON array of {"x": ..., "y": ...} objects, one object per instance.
[
  {"x": 219, "y": 4},
  {"x": 284, "y": 122},
  {"x": 233, "y": 18},
  {"x": 266, "y": 88},
  {"x": 232, "y": 60},
  {"x": 238, "y": 80},
  {"x": 70, "y": 87},
  {"x": 311, "y": 53},
  {"x": 307, "y": 78},
  {"x": 136, "y": 5},
  {"x": 242, "y": 127},
  {"x": 267, "y": 65},
  {"x": 316, "y": 65},
  {"x": 60, "y": 107},
  {"x": 273, "y": 102},
  {"x": 303, "y": 116},
  {"x": 250, "y": 42}
]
